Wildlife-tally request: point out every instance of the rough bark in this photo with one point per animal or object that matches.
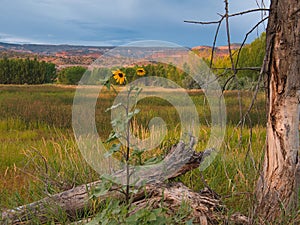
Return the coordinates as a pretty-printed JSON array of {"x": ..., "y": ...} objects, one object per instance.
[
  {"x": 277, "y": 187},
  {"x": 181, "y": 159},
  {"x": 205, "y": 207}
]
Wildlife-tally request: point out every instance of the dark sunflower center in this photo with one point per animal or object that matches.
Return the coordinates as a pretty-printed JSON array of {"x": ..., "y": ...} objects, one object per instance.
[
  {"x": 140, "y": 71},
  {"x": 121, "y": 75}
]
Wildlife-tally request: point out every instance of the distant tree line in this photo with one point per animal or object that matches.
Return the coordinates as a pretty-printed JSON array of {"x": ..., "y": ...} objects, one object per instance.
[
  {"x": 168, "y": 71},
  {"x": 26, "y": 71},
  {"x": 71, "y": 75}
]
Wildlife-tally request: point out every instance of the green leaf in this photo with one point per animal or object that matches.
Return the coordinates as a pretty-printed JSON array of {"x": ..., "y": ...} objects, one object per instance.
[
  {"x": 190, "y": 222},
  {"x": 136, "y": 111},
  {"x": 114, "y": 148},
  {"x": 107, "y": 85},
  {"x": 117, "y": 210},
  {"x": 152, "y": 217},
  {"x": 113, "y": 107},
  {"x": 99, "y": 191},
  {"x": 153, "y": 160},
  {"x": 102, "y": 188},
  {"x": 133, "y": 88},
  {"x": 112, "y": 136},
  {"x": 139, "y": 90},
  {"x": 158, "y": 210},
  {"x": 95, "y": 220},
  {"x": 137, "y": 152},
  {"x": 107, "y": 177},
  {"x": 132, "y": 114}
]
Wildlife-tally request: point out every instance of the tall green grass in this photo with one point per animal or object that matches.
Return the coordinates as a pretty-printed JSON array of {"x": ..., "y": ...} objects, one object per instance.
[{"x": 39, "y": 155}]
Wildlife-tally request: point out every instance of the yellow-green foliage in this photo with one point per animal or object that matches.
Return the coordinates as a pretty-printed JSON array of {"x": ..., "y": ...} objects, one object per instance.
[{"x": 250, "y": 56}]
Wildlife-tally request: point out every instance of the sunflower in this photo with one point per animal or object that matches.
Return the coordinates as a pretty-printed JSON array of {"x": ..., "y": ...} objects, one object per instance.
[
  {"x": 140, "y": 71},
  {"x": 119, "y": 76}
]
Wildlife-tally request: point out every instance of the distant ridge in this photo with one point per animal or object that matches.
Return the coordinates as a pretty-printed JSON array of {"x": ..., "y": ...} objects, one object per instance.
[
  {"x": 205, "y": 51},
  {"x": 65, "y": 55},
  {"x": 47, "y": 49},
  {"x": 52, "y": 49}
]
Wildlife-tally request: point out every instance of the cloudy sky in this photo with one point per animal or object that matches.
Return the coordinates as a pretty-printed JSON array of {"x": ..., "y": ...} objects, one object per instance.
[{"x": 116, "y": 22}]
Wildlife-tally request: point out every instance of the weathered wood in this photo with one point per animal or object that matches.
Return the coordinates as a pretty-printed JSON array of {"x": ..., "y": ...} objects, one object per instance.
[
  {"x": 181, "y": 159},
  {"x": 277, "y": 188},
  {"x": 204, "y": 207}
]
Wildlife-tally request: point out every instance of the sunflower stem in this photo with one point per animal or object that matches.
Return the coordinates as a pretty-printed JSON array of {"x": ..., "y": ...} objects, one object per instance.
[
  {"x": 127, "y": 152},
  {"x": 114, "y": 89}
]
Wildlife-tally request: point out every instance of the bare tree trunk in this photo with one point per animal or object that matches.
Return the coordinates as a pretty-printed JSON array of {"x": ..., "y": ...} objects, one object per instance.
[{"x": 277, "y": 188}]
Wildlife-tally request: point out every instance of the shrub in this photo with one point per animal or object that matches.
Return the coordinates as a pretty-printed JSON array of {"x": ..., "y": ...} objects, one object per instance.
[{"x": 71, "y": 75}]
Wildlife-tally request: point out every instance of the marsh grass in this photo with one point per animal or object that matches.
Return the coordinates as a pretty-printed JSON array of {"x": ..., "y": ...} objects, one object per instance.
[{"x": 39, "y": 155}]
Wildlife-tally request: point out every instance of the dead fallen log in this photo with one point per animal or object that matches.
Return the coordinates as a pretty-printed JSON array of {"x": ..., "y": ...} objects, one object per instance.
[
  {"x": 202, "y": 207},
  {"x": 181, "y": 159},
  {"x": 205, "y": 206}
]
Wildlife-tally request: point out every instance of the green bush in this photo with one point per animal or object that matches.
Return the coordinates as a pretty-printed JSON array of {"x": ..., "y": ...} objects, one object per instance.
[{"x": 71, "y": 75}]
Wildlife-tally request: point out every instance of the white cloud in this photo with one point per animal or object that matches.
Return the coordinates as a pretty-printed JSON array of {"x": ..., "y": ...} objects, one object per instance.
[{"x": 13, "y": 39}]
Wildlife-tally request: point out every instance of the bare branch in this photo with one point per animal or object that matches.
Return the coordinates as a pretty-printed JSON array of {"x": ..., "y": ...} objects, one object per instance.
[
  {"x": 255, "y": 95},
  {"x": 214, "y": 44},
  {"x": 246, "y": 36},
  {"x": 203, "y": 23},
  {"x": 228, "y": 37},
  {"x": 227, "y": 81},
  {"x": 229, "y": 15},
  {"x": 234, "y": 65},
  {"x": 248, "y": 11}
]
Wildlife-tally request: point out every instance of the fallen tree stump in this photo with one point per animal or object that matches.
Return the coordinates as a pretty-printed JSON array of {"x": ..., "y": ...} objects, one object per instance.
[
  {"x": 180, "y": 160},
  {"x": 205, "y": 208}
]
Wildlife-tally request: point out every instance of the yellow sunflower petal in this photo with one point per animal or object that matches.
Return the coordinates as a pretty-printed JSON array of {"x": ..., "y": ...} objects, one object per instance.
[
  {"x": 140, "y": 71},
  {"x": 119, "y": 76}
]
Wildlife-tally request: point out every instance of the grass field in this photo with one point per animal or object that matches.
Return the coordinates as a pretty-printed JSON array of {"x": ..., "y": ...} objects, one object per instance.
[{"x": 39, "y": 155}]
